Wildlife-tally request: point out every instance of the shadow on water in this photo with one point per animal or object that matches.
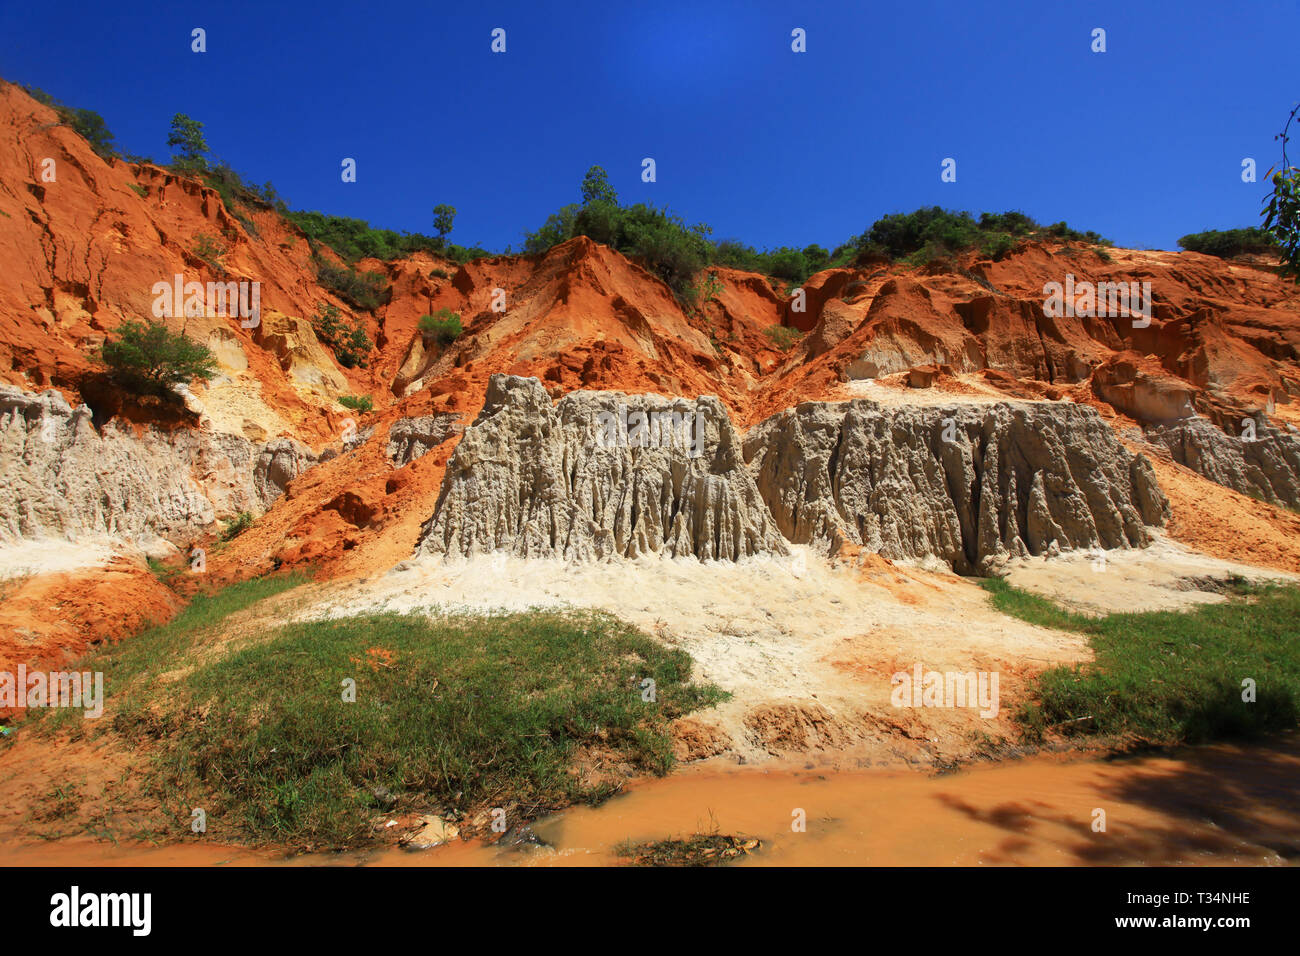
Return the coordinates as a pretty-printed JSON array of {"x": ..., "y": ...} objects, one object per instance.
[{"x": 1212, "y": 804}]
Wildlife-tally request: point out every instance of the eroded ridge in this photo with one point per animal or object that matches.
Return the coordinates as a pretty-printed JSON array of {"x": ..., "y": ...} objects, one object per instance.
[
  {"x": 965, "y": 484},
  {"x": 599, "y": 475}
]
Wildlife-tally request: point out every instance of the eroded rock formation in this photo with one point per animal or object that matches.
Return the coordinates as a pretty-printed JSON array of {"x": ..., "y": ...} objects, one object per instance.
[
  {"x": 571, "y": 481},
  {"x": 61, "y": 477},
  {"x": 1263, "y": 461},
  {"x": 963, "y": 483},
  {"x": 411, "y": 438}
]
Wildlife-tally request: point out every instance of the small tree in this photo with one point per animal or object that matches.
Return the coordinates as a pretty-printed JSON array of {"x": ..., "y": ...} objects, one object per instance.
[
  {"x": 1282, "y": 210},
  {"x": 596, "y": 187},
  {"x": 443, "y": 217},
  {"x": 350, "y": 343},
  {"x": 187, "y": 136},
  {"x": 148, "y": 358},
  {"x": 443, "y": 326}
]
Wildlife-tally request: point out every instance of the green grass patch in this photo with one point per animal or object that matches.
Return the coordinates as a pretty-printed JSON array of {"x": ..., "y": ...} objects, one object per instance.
[
  {"x": 783, "y": 337},
  {"x": 1169, "y": 677},
  {"x": 165, "y": 572},
  {"x": 236, "y": 526},
  {"x": 129, "y": 665},
  {"x": 455, "y": 713},
  {"x": 358, "y": 403}
]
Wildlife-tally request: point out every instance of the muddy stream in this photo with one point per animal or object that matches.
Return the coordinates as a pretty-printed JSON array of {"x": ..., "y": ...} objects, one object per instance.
[{"x": 1213, "y": 805}]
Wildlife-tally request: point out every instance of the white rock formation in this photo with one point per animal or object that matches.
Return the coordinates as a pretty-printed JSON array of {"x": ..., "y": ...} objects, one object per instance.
[
  {"x": 531, "y": 479},
  {"x": 963, "y": 483},
  {"x": 60, "y": 477}
]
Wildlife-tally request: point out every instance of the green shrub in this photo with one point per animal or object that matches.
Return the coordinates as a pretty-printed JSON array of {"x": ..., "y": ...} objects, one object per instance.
[
  {"x": 439, "y": 274},
  {"x": 209, "y": 249},
  {"x": 354, "y": 239},
  {"x": 998, "y": 245},
  {"x": 236, "y": 526},
  {"x": 141, "y": 191},
  {"x": 707, "y": 291},
  {"x": 663, "y": 242},
  {"x": 349, "y": 341},
  {"x": 783, "y": 336},
  {"x": 147, "y": 358},
  {"x": 358, "y": 403},
  {"x": 362, "y": 290},
  {"x": 1226, "y": 243},
  {"x": 933, "y": 232},
  {"x": 443, "y": 326},
  {"x": 87, "y": 124},
  {"x": 785, "y": 262}
]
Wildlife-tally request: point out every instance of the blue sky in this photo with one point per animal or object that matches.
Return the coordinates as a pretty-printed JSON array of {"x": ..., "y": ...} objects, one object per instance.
[{"x": 1142, "y": 143}]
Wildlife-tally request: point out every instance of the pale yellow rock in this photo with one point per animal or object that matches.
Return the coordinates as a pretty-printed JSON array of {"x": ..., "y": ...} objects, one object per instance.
[
  {"x": 298, "y": 351},
  {"x": 433, "y": 831}
]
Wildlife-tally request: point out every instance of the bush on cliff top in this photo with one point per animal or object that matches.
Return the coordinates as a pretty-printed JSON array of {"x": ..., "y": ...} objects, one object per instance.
[
  {"x": 931, "y": 232},
  {"x": 147, "y": 358},
  {"x": 87, "y": 124},
  {"x": 1226, "y": 243}
]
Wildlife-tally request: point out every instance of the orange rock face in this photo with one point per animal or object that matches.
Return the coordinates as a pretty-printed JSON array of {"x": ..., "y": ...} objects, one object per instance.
[{"x": 83, "y": 253}]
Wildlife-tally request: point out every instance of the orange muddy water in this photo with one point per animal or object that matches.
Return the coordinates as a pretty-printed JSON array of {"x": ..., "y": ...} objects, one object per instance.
[{"x": 1213, "y": 805}]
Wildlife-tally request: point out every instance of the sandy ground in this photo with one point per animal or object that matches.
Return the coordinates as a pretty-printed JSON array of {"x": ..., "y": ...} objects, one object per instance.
[
  {"x": 19, "y": 559},
  {"x": 57, "y": 598},
  {"x": 973, "y": 391},
  {"x": 1216, "y": 520},
  {"x": 807, "y": 648},
  {"x": 1166, "y": 576}
]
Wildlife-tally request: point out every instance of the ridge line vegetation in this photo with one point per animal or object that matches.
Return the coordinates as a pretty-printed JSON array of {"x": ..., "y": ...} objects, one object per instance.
[{"x": 658, "y": 238}]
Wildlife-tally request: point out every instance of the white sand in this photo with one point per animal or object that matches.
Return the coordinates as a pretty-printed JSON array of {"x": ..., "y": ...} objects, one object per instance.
[{"x": 48, "y": 556}]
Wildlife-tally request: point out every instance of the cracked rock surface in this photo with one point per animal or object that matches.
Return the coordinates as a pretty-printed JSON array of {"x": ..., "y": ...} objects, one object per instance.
[
  {"x": 61, "y": 477},
  {"x": 587, "y": 479},
  {"x": 964, "y": 484},
  {"x": 1263, "y": 462}
]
